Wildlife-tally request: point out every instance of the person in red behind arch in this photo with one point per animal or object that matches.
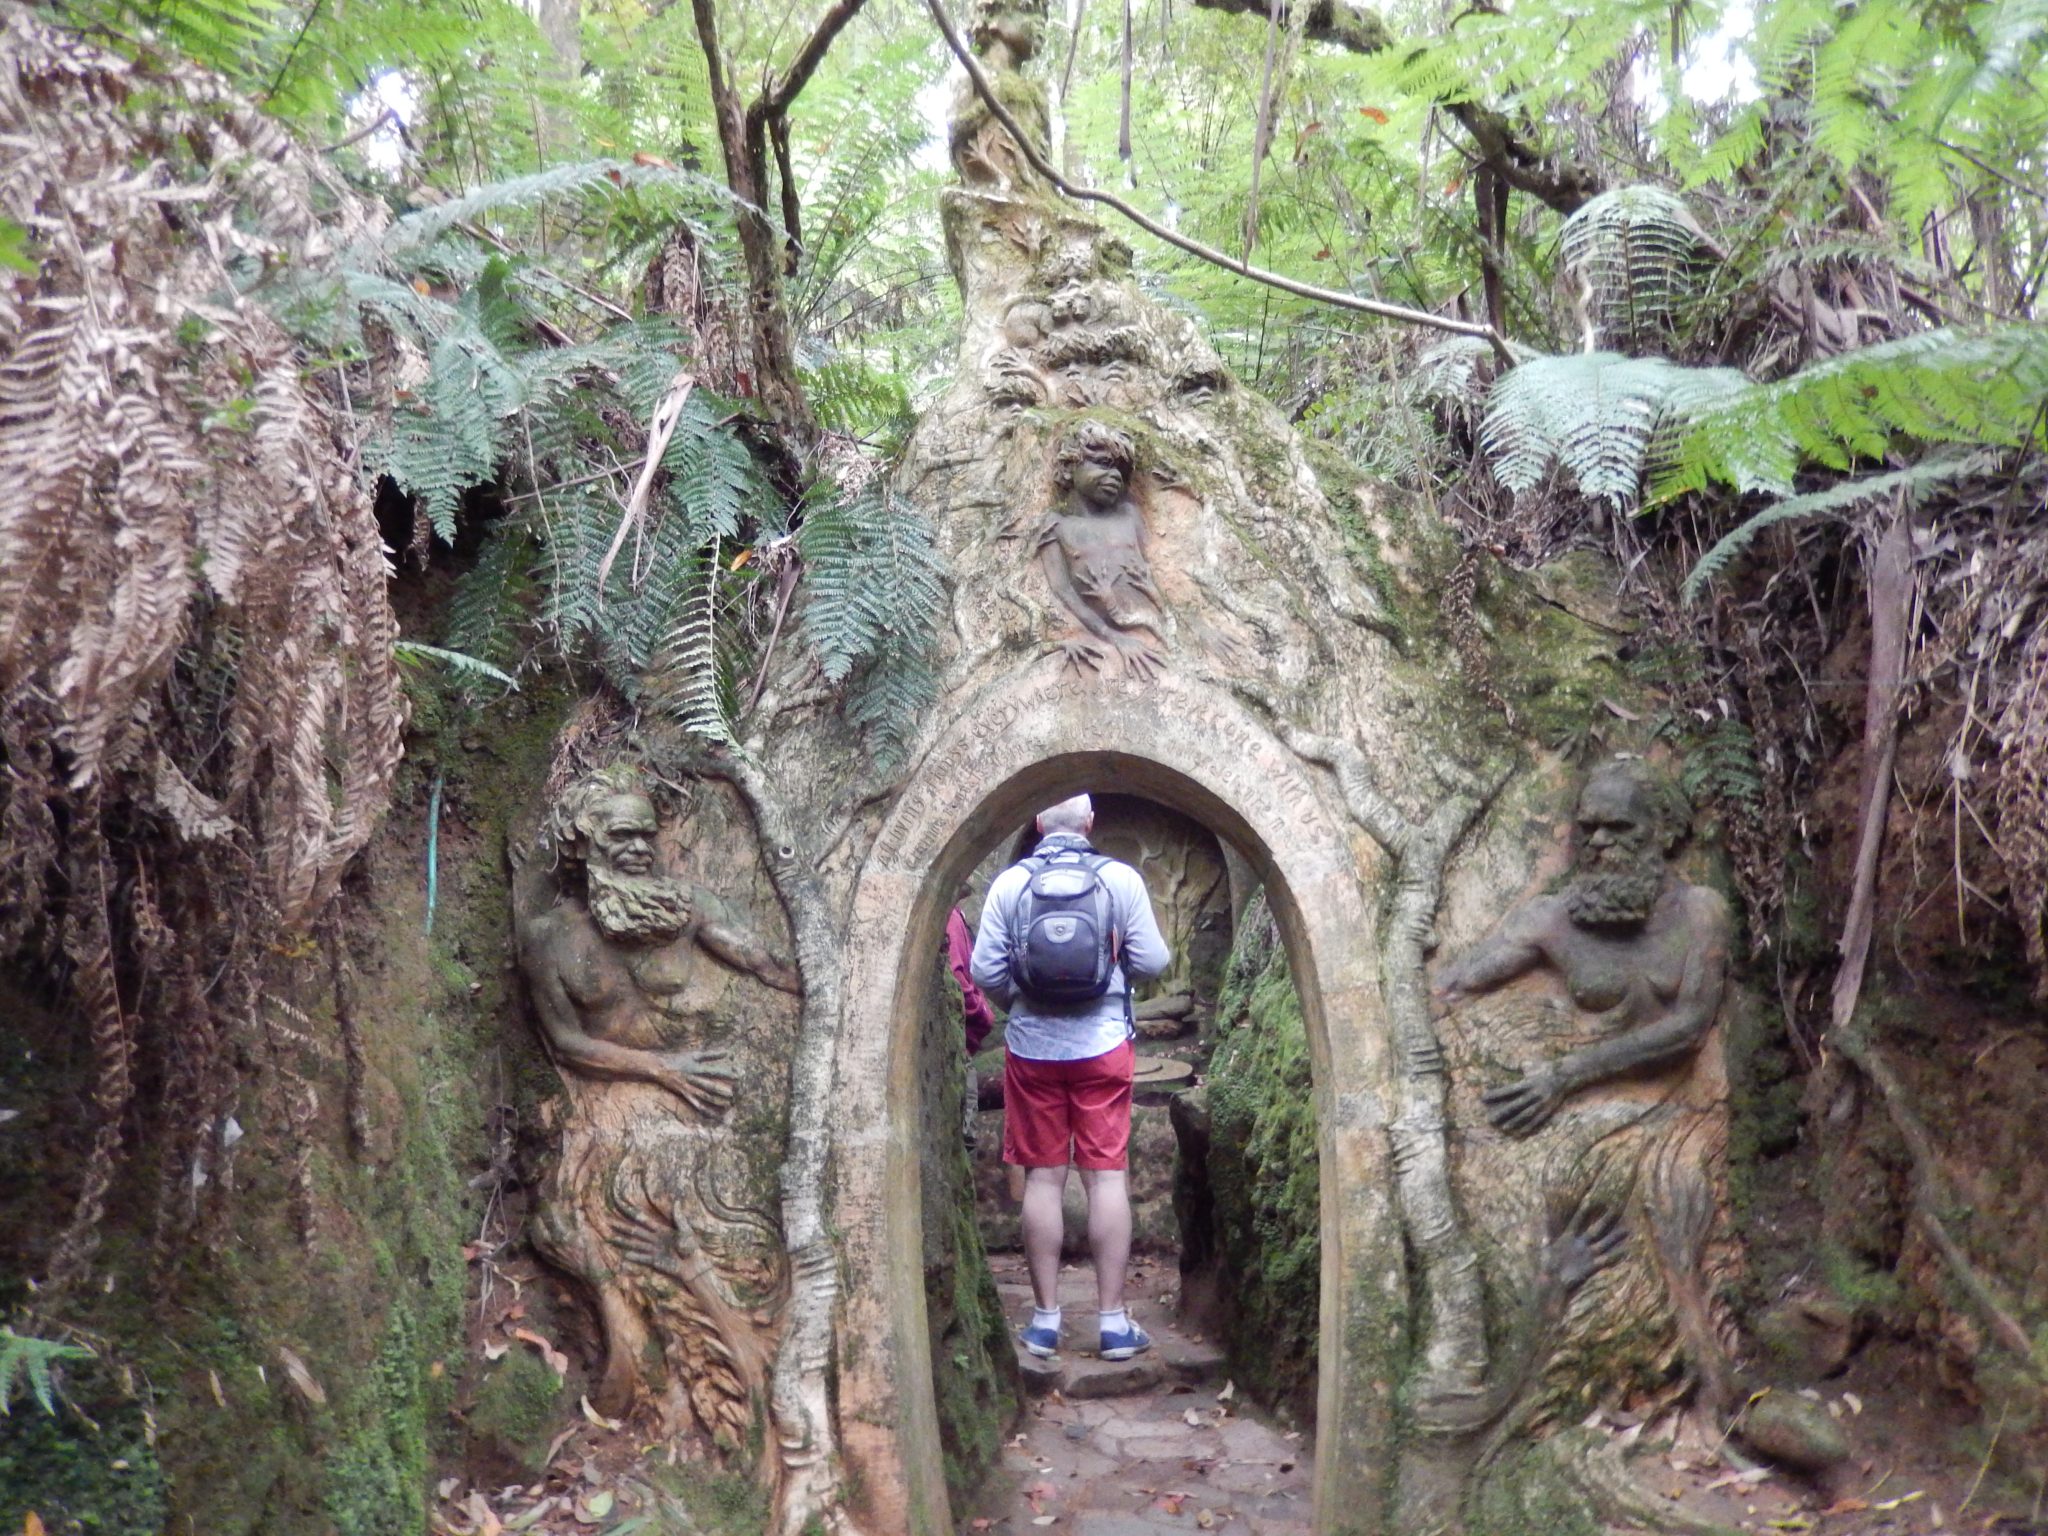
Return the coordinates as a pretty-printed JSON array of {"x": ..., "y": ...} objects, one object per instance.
[{"x": 976, "y": 1017}]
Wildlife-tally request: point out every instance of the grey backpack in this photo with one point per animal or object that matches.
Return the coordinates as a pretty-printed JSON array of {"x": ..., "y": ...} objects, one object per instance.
[{"x": 1062, "y": 930}]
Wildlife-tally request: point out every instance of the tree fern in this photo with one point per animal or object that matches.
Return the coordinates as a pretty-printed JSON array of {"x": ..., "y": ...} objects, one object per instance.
[
  {"x": 1631, "y": 254},
  {"x": 1596, "y": 416},
  {"x": 584, "y": 179},
  {"x": 1970, "y": 387}
]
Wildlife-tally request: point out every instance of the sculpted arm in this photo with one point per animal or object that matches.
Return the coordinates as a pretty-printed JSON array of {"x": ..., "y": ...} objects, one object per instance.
[
  {"x": 1510, "y": 950},
  {"x": 743, "y": 951}
]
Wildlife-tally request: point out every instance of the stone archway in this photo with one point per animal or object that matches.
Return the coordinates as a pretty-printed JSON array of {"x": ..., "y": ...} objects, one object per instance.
[{"x": 1039, "y": 735}]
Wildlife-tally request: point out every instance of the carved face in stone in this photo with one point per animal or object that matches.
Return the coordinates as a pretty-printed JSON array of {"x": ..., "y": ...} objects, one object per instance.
[
  {"x": 631, "y": 901},
  {"x": 621, "y": 831},
  {"x": 1095, "y": 463},
  {"x": 1099, "y": 480},
  {"x": 1619, "y": 850}
]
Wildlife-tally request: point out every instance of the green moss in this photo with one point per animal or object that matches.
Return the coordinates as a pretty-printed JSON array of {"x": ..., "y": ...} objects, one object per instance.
[
  {"x": 1526, "y": 1493},
  {"x": 974, "y": 1365},
  {"x": 1859, "y": 1284},
  {"x": 716, "y": 1503},
  {"x": 89, "y": 1467},
  {"x": 518, "y": 1408},
  {"x": 1265, "y": 1178}
]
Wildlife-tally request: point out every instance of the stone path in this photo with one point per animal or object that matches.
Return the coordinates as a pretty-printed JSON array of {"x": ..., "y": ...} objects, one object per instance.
[{"x": 1142, "y": 1447}]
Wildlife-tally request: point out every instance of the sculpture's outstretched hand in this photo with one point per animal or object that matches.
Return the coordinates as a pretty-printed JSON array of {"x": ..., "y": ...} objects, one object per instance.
[{"x": 1526, "y": 1104}]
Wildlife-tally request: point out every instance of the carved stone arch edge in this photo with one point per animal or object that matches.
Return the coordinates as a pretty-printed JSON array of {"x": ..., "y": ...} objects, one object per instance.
[{"x": 1015, "y": 747}]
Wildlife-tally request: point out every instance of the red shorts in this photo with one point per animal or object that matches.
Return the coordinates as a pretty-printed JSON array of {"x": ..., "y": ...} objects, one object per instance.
[{"x": 1050, "y": 1105}]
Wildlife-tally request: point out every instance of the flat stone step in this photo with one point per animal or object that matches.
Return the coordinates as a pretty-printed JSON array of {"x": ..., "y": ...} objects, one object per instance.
[{"x": 1080, "y": 1376}]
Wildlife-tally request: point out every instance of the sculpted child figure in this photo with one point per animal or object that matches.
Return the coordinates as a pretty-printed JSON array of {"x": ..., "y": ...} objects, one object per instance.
[
  {"x": 624, "y": 965},
  {"x": 1628, "y": 938},
  {"x": 1092, "y": 550}
]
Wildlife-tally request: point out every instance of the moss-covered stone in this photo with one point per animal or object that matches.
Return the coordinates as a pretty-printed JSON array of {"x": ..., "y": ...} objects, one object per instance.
[
  {"x": 974, "y": 1365},
  {"x": 1264, "y": 1175},
  {"x": 518, "y": 1410}
]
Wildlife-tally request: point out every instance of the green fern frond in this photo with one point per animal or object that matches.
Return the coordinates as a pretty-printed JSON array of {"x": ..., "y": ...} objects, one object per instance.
[
  {"x": 688, "y": 678},
  {"x": 1912, "y": 482},
  {"x": 1970, "y": 387},
  {"x": 872, "y": 575},
  {"x": 582, "y": 180},
  {"x": 1632, "y": 252},
  {"x": 414, "y": 654},
  {"x": 27, "y": 1357},
  {"x": 1595, "y": 415},
  {"x": 491, "y": 598}
]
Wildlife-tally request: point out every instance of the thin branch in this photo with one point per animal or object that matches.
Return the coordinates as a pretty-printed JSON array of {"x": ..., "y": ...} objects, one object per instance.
[
  {"x": 1564, "y": 187},
  {"x": 1036, "y": 160},
  {"x": 1262, "y": 129},
  {"x": 778, "y": 100}
]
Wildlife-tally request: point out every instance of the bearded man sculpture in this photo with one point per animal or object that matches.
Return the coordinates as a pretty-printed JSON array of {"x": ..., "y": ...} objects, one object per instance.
[
  {"x": 1634, "y": 944},
  {"x": 626, "y": 967}
]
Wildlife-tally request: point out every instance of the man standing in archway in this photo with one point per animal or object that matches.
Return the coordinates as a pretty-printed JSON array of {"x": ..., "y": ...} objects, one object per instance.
[{"x": 1064, "y": 935}]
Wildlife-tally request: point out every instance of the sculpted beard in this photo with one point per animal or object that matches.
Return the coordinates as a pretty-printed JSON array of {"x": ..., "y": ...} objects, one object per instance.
[
  {"x": 640, "y": 908},
  {"x": 1618, "y": 891}
]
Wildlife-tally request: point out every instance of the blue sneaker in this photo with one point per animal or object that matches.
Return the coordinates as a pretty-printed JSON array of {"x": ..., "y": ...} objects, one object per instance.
[
  {"x": 1121, "y": 1346},
  {"x": 1042, "y": 1342}
]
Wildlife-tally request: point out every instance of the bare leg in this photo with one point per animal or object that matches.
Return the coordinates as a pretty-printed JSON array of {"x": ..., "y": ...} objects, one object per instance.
[
  {"x": 1044, "y": 1226},
  {"x": 1109, "y": 1231}
]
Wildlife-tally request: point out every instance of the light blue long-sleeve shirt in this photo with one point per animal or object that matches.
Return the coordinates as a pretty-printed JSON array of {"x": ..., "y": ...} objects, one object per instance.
[{"x": 1037, "y": 1031}]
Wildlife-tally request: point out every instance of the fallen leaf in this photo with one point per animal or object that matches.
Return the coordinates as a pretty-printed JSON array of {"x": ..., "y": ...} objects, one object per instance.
[
  {"x": 301, "y": 1378},
  {"x": 1846, "y": 1507},
  {"x": 601, "y": 1421},
  {"x": 1902, "y": 1499},
  {"x": 1229, "y": 1391},
  {"x": 980, "y": 1523},
  {"x": 1375, "y": 114},
  {"x": 497, "y": 1350},
  {"x": 445, "y": 1489},
  {"x": 557, "y": 1361},
  {"x": 1206, "y": 1519},
  {"x": 1045, "y": 1520},
  {"x": 220, "y": 1398},
  {"x": 1855, "y": 1403},
  {"x": 593, "y": 1509},
  {"x": 32, "y": 1524}
]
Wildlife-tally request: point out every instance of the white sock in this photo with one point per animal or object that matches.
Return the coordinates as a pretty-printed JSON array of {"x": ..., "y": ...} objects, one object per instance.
[
  {"x": 1118, "y": 1321},
  {"x": 1040, "y": 1318}
]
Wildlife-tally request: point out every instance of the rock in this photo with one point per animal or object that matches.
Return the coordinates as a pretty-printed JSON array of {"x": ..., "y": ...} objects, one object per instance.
[
  {"x": 1809, "y": 1336},
  {"x": 1091, "y": 1378},
  {"x": 1041, "y": 1376},
  {"x": 1793, "y": 1431}
]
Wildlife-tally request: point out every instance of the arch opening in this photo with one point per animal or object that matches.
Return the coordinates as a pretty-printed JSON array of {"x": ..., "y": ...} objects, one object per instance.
[
  {"x": 892, "y": 1435},
  {"x": 1225, "y": 1224}
]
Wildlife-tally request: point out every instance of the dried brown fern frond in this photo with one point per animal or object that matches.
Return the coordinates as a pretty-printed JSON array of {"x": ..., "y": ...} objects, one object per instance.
[
  {"x": 200, "y": 713},
  {"x": 2021, "y": 798}
]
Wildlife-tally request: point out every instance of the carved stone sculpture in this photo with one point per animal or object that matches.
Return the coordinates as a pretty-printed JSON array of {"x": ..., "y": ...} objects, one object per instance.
[
  {"x": 647, "y": 1204},
  {"x": 1630, "y": 1117},
  {"x": 1635, "y": 945},
  {"x": 1092, "y": 550}
]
